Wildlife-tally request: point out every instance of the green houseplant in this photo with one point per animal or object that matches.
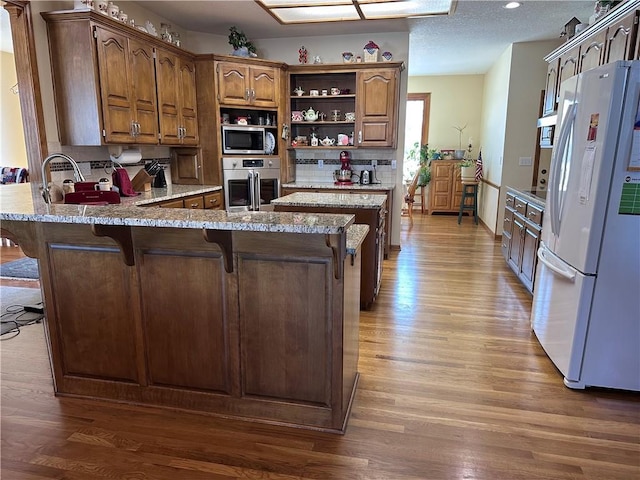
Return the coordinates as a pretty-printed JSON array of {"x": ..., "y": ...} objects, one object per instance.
[
  {"x": 423, "y": 155},
  {"x": 467, "y": 170},
  {"x": 242, "y": 47}
]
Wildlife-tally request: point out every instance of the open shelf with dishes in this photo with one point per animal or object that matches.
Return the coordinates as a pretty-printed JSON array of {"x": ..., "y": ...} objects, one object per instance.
[{"x": 324, "y": 105}]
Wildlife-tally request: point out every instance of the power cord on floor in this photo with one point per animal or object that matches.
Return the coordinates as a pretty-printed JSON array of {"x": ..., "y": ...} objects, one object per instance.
[{"x": 23, "y": 315}]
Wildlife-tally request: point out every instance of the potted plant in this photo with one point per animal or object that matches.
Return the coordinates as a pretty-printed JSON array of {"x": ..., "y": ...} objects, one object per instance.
[
  {"x": 468, "y": 170},
  {"x": 459, "y": 154},
  {"x": 242, "y": 47},
  {"x": 423, "y": 155}
]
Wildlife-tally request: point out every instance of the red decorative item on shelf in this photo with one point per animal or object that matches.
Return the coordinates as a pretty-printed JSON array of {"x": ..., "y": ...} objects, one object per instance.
[{"x": 302, "y": 55}]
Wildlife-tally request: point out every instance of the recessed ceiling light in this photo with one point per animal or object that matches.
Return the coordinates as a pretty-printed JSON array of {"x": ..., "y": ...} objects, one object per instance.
[{"x": 511, "y": 5}]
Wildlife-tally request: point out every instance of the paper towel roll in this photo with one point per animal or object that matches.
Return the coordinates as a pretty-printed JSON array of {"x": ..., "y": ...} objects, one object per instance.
[{"x": 127, "y": 157}]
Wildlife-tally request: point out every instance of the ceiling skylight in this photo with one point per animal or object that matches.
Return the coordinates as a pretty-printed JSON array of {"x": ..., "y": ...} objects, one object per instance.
[{"x": 313, "y": 11}]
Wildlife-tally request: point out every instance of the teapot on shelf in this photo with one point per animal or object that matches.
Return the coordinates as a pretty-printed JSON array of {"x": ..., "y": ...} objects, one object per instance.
[
  {"x": 327, "y": 142},
  {"x": 310, "y": 115}
]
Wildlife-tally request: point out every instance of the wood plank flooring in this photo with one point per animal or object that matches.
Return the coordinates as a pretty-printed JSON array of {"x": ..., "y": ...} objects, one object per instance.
[{"x": 453, "y": 385}]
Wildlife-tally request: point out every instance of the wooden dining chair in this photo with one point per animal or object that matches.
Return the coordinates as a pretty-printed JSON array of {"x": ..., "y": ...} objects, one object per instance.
[{"x": 409, "y": 198}]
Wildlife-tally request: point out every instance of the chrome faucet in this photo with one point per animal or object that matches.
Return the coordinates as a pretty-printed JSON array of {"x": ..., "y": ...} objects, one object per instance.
[{"x": 46, "y": 194}]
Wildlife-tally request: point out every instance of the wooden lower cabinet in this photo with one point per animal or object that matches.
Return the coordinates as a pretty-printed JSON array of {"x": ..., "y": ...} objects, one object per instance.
[
  {"x": 521, "y": 231},
  {"x": 208, "y": 322},
  {"x": 445, "y": 188},
  {"x": 388, "y": 213},
  {"x": 209, "y": 201},
  {"x": 372, "y": 247}
]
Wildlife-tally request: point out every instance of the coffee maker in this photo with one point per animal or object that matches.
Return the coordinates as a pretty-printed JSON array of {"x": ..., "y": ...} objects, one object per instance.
[{"x": 343, "y": 176}]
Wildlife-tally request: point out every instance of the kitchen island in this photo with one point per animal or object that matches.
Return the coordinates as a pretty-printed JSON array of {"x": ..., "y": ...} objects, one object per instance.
[
  {"x": 369, "y": 209},
  {"x": 251, "y": 315}
]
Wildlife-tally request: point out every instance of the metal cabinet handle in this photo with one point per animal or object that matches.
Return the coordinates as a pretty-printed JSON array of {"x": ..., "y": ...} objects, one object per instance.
[
  {"x": 246, "y": 94},
  {"x": 194, "y": 205},
  {"x": 507, "y": 220},
  {"x": 359, "y": 136}
]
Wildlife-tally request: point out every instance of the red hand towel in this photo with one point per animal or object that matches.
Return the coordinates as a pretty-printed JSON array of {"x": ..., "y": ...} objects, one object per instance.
[{"x": 123, "y": 182}]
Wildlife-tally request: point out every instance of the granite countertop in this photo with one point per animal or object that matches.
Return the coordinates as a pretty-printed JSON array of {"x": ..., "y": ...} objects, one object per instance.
[
  {"x": 355, "y": 236},
  {"x": 530, "y": 194},
  {"x": 331, "y": 185},
  {"x": 331, "y": 200},
  {"x": 23, "y": 202}
]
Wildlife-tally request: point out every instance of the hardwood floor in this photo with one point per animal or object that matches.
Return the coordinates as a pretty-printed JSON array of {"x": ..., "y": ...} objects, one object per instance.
[{"x": 453, "y": 385}]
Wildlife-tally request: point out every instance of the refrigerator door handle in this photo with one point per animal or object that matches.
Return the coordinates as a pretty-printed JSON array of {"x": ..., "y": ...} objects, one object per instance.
[
  {"x": 547, "y": 257},
  {"x": 560, "y": 166}
]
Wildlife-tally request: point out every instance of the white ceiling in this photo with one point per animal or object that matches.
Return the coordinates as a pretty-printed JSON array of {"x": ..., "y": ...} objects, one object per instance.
[{"x": 466, "y": 43}]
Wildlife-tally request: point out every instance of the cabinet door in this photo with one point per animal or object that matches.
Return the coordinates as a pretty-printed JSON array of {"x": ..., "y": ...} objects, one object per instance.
[
  {"x": 619, "y": 43},
  {"x": 185, "y": 166},
  {"x": 143, "y": 77},
  {"x": 233, "y": 83},
  {"x": 265, "y": 85},
  {"x": 168, "y": 97},
  {"x": 551, "y": 88},
  {"x": 515, "y": 252},
  {"x": 440, "y": 186},
  {"x": 592, "y": 53},
  {"x": 457, "y": 189},
  {"x": 567, "y": 67},
  {"x": 376, "y": 105},
  {"x": 531, "y": 239},
  {"x": 115, "y": 86},
  {"x": 187, "y": 103}
]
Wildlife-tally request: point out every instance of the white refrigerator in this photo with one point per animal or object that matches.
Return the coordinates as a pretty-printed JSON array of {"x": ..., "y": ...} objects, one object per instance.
[{"x": 586, "y": 305}]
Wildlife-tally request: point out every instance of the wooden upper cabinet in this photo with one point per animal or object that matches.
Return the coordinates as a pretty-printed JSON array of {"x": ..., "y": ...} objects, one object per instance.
[
  {"x": 619, "y": 43},
  {"x": 241, "y": 84},
  {"x": 188, "y": 102},
  {"x": 551, "y": 88},
  {"x": 377, "y": 107},
  {"x": 176, "y": 99},
  {"x": 592, "y": 52},
  {"x": 115, "y": 85},
  {"x": 143, "y": 79},
  {"x": 567, "y": 67},
  {"x": 186, "y": 166}
]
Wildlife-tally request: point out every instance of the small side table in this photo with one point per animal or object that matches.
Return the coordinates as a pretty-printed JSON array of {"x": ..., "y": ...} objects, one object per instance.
[{"x": 469, "y": 190}]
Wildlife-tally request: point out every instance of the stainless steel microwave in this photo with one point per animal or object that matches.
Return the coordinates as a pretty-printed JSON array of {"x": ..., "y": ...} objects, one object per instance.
[{"x": 241, "y": 139}]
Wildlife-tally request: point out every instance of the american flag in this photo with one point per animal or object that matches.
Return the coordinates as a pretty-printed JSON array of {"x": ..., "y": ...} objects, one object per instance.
[{"x": 479, "y": 167}]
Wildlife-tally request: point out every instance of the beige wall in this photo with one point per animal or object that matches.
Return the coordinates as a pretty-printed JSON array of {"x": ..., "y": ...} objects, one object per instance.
[
  {"x": 455, "y": 100},
  {"x": 13, "y": 151}
]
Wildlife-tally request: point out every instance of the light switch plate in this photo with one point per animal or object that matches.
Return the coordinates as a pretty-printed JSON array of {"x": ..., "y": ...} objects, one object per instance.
[
  {"x": 394, "y": 164},
  {"x": 524, "y": 161}
]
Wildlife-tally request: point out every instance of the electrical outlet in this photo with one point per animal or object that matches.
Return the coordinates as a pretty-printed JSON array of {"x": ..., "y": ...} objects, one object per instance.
[
  {"x": 374, "y": 163},
  {"x": 320, "y": 164},
  {"x": 394, "y": 164}
]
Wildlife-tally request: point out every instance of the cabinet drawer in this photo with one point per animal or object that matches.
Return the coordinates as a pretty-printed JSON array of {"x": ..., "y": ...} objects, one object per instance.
[
  {"x": 520, "y": 206},
  {"x": 197, "y": 201},
  {"x": 172, "y": 204},
  {"x": 534, "y": 214},
  {"x": 511, "y": 201},
  {"x": 213, "y": 200},
  {"x": 507, "y": 222}
]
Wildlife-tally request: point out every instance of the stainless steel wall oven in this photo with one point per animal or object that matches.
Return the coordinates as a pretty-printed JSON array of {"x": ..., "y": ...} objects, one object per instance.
[{"x": 250, "y": 183}]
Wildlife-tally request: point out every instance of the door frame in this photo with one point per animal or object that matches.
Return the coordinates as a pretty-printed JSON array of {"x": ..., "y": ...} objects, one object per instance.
[{"x": 28, "y": 85}]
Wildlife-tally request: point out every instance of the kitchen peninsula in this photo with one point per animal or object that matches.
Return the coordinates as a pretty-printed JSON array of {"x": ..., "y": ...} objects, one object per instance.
[
  {"x": 368, "y": 209},
  {"x": 251, "y": 315}
]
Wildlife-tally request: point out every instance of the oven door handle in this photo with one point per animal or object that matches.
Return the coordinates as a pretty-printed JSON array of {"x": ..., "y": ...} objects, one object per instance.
[
  {"x": 252, "y": 189},
  {"x": 256, "y": 190}
]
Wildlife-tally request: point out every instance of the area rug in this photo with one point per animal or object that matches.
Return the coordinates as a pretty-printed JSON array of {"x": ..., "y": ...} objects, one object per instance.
[{"x": 25, "y": 268}]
